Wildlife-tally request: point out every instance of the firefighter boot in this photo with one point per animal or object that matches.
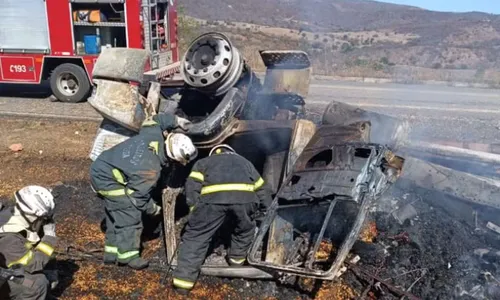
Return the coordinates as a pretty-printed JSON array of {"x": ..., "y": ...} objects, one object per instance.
[
  {"x": 182, "y": 287},
  {"x": 236, "y": 262},
  {"x": 181, "y": 291},
  {"x": 110, "y": 255},
  {"x": 109, "y": 258},
  {"x": 137, "y": 263}
]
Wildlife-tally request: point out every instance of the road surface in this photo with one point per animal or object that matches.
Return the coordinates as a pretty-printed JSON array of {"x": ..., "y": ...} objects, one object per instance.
[{"x": 435, "y": 112}]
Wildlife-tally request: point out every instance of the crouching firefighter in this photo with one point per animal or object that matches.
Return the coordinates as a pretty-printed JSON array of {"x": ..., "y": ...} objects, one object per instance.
[
  {"x": 27, "y": 240},
  {"x": 224, "y": 184},
  {"x": 126, "y": 174}
]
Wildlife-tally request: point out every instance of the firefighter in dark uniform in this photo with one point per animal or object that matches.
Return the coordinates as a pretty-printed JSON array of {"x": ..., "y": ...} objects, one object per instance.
[
  {"x": 125, "y": 176},
  {"x": 21, "y": 246},
  {"x": 224, "y": 184}
]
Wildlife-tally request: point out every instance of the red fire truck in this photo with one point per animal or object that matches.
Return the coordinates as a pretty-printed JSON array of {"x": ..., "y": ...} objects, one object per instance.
[{"x": 60, "y": 40}]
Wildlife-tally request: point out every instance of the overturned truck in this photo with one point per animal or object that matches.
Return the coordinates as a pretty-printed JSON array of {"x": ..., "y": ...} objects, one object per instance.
[{"x": 325, "y": 176}]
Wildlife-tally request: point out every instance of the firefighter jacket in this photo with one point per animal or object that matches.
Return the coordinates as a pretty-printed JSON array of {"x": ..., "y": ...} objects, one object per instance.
[
  {"x": 15, "y": 249},
  {"x": 226, "y": 178},
  {"x": 134, "y": 166}
]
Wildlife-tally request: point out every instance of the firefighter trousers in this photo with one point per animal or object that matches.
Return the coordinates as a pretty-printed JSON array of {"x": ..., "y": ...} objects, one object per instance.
[
  {"x": 202, "y": 225},
  {"x": 33, "y": 287},
  {"x": 123, "y": 228}
]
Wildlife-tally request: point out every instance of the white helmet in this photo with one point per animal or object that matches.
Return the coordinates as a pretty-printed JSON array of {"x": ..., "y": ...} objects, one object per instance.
[
  {"x": 180, "y": 148},
  {"x": 219, "y": 148},
  {"x": 35, "y": 200}
]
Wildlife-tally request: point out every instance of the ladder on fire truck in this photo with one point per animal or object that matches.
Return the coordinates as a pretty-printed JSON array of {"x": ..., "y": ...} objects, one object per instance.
[{"x": 152, "y": 36}]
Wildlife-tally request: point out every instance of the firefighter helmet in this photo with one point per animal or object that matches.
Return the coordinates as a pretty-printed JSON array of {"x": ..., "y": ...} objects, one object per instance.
[
  {"x": 221, "y": 148},
  {"x": 34, "y": 200},
  {"x": 179, "y": 147}
]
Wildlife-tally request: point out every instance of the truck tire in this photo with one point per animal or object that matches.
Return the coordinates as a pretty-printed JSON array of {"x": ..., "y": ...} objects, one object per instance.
[{"x": 70, "y": 83}]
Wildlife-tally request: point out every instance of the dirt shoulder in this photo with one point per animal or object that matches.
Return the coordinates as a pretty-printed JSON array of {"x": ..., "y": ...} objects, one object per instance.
[{"x": 53, "y": 151}]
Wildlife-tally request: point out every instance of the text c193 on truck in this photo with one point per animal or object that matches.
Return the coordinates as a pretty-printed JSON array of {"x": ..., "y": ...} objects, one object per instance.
[{"x": 60, "y": 40}]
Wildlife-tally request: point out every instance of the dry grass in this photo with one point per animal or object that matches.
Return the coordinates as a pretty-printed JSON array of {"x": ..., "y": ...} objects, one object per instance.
[{"x": 335, "y": 290}]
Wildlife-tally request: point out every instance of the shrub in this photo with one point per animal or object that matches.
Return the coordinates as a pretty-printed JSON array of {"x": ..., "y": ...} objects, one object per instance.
[
  {"x": 346, "y": 47},
  {"x": 384, "y": 60},
  {"x": 437, "y": 66},
  {"x": 317, "y": 45}
]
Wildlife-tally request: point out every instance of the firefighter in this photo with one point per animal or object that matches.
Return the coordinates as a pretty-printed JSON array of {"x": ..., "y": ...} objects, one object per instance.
[
  {"x": 221, "y": 185},
  {"x": 126, "y": 174},
  {"x": 27, "y": 240}
]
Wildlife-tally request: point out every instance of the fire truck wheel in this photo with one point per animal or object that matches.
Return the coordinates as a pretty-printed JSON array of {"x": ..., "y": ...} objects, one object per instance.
[{"x": 70, "y": 83}]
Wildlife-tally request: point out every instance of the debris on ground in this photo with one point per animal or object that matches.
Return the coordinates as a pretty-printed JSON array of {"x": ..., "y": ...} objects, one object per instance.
[
  {"x": 16, "y": 147},
  {"x": 493, "y": 226},
  {"x": 407, "y": 212}
]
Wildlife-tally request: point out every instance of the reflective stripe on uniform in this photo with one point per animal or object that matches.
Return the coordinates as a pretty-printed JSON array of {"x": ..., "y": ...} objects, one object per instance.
[
  {"x": 127, "y": 254},
  {"x": 243, "y": 187},
  {"x": 197, "y": 175},
  {"x": 115, "y": 193},
  {"x": 238, "y": 261},
  {"x": 259, "y": 183},
  {"x": 154, "y": 146},
  {"x": 25, "y": 260},
  {"x": 184, "y": 284},
  {"x": 149, "y": 122},
  {"x": 119, "y": 176},
  {"x": 110, "y": 249},
  {"x": 45, "y": 248},
  {"x": 227, "y": 187}
]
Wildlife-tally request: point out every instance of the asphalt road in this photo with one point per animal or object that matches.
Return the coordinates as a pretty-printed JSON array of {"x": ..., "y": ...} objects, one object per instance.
[{"x": 435, "y": 112}]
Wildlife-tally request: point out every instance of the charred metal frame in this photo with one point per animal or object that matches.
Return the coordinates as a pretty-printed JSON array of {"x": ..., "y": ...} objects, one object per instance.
[{"x": 375, "y": 177}]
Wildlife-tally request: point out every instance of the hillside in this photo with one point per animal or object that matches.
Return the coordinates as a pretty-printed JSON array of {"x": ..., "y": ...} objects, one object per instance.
[{"x": 360, "y": 37}]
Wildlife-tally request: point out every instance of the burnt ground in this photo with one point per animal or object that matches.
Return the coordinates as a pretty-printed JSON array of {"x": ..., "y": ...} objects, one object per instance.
[{"x": 433, "y": 254}]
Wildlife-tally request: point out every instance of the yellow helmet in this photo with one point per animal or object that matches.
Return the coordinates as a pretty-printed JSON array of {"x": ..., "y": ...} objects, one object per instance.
[{"x": 220, "y": 148}]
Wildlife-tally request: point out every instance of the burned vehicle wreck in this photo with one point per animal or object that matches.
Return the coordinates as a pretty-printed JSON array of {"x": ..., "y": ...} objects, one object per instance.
[
  {"x": 324, "y": 199},
  {"x": 325, "y": 176},
  {"x": 330, "y": 172}
]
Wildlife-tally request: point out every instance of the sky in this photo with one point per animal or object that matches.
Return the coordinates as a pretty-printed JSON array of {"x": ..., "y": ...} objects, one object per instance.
[{"x": 488, "y": 6}]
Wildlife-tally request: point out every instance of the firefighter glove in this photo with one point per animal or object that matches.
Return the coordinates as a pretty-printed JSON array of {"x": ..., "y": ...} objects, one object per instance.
[
  {"x": 259, "y": 217},
  {"x": 156, "y": 210},
  {"x": 184, "y": 124},
  {"x": 49, "y": 229}
]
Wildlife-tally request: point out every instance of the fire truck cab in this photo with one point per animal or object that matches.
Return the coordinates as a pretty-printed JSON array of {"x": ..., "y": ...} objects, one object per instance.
[{"x": 60, "y": 40}]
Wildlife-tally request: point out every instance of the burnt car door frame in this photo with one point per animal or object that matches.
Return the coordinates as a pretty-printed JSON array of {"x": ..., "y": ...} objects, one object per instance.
[{"x": 370, "y": 184}]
